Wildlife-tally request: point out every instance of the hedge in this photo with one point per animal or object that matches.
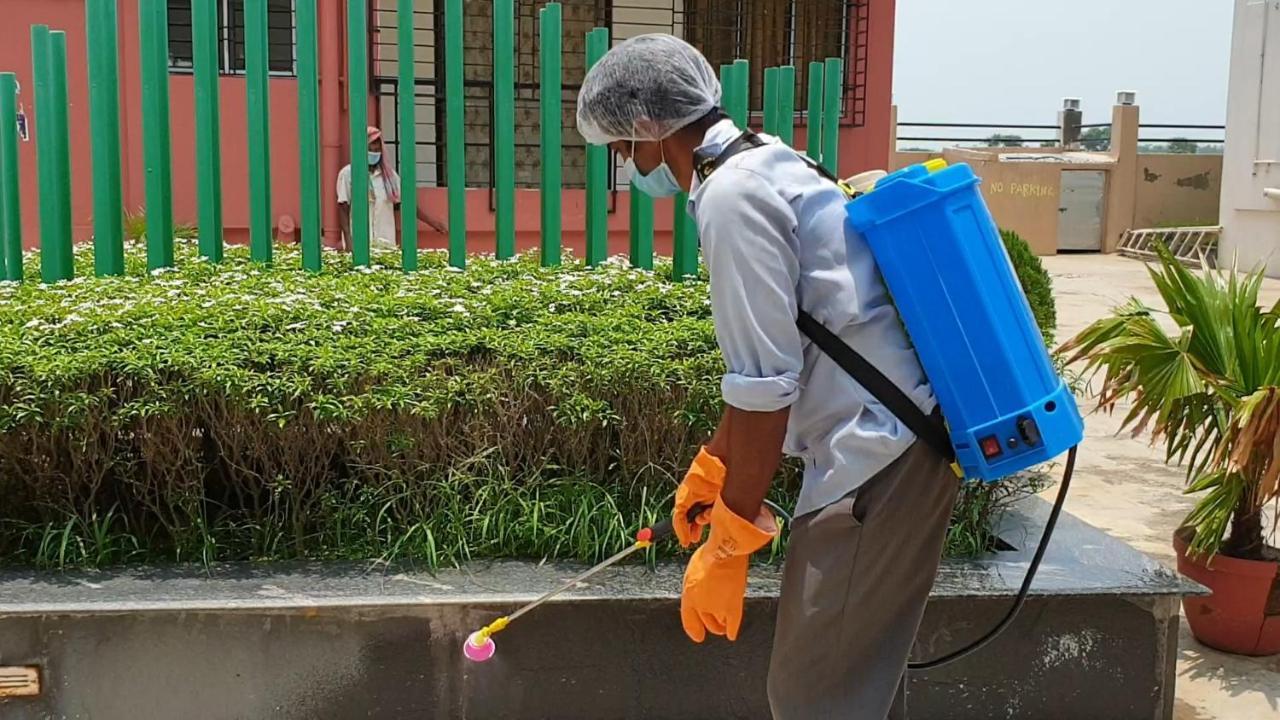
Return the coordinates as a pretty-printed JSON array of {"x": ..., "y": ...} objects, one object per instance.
[{"x": 236, "y": 411}]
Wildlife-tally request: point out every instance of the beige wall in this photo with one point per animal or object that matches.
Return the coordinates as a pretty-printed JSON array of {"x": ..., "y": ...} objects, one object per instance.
[
  {"x": 1142, "y": 190},
  {"x": 903, "y": 159},
  {"x": 1178, "y": 190},
  {"x": 1022, "y": 197}
]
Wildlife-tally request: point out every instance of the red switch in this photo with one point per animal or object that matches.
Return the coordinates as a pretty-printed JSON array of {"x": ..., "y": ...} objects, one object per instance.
[{"x": 991, "y": 446}]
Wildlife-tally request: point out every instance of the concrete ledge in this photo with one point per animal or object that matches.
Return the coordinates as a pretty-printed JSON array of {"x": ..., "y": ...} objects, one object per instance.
[{"x": 1097, "y": 640}]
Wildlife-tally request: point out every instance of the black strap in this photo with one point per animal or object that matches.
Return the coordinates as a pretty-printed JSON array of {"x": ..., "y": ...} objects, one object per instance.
[
  {"x": 704, "y": 163},
  {"x": 931, "y": 429}
]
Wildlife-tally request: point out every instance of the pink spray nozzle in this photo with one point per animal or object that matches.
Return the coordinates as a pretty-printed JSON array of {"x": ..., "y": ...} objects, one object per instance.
[{"x": 479, "y": 648}]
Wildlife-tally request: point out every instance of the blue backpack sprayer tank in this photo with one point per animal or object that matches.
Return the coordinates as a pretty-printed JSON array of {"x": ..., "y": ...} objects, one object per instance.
[
  {"x": 942, "y": 259},
  {"x": 1003, "y": 406}
]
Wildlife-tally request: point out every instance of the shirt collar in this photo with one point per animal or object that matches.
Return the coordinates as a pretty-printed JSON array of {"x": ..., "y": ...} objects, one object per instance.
[{"x": 716, "y": 139}]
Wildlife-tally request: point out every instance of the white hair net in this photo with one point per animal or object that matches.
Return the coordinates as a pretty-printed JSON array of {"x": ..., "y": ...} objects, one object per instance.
[{"x": 646, "y": 88}]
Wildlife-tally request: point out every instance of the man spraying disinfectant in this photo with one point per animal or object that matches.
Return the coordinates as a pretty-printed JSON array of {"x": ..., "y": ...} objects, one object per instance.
[
  {"x": 810, "y": 312},
  {"x": 873, "y": 511}
]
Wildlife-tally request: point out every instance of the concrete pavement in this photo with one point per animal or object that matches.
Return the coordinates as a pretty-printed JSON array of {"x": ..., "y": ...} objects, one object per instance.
[{"x": 1123, "y": 486}]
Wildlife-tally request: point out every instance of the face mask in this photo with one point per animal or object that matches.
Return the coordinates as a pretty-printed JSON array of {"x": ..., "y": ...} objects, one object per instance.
[
  {"x": 660, "y": 183},
  {"x": 375, "y": 158}
]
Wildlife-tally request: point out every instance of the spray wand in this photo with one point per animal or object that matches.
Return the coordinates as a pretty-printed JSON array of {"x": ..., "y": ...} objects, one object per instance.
[{"x": 479, "y": 647}]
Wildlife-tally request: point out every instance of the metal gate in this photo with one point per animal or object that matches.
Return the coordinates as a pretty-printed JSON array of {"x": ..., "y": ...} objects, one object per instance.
[{"x": 1080, "y": 208}]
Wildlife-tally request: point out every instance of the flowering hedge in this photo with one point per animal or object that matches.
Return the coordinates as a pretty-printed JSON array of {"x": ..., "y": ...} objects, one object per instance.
[{"x": 237, "y": 411}]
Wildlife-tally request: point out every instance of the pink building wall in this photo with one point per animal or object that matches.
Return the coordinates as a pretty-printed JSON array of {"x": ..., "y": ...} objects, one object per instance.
[{"x": 860, "y": 147}]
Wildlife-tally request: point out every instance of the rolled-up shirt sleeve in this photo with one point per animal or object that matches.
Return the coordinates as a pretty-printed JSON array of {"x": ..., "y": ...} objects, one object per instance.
[{"x": 748, "y": 231}]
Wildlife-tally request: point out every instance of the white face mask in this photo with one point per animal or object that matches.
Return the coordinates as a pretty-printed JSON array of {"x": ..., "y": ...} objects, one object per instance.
[{"x": 660, "y": 183}]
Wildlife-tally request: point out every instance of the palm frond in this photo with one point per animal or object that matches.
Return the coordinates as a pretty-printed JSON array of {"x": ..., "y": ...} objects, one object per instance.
[{"x": 1209, "y": 393}]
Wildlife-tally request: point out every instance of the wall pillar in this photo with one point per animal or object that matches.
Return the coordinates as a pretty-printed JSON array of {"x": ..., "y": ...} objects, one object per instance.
[{"x": 1122, "y": 185}]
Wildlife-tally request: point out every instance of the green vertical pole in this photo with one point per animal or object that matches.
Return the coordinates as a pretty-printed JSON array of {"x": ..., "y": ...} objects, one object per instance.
[
  {"x": 153, "y": 17},
  {"x": 257, "y": 71},
  {"x": 205, "y": 39},
  {"x": 455, "y": 133},
  {"x": 104, "y": 120},
  {"x": 10, "y": 188},
  {"x": 770, "y": 109},
  {"x": 684, "y": 239},
  {"x": 679, "y": 239},
  {"x": 742, "y": 92},
  {"x": 813, "y": 124},
  {"x": 786, "y": 118},
  {"x": 504, "y": 122},
  {"x": 641, "y": 229},
  {"x": 832, "y": 110},
  {"x": 597, "y": 170},
  {"x": 44, "y": 149},
  {"x": 408, "y": 138},
  {"x": 49, "y": 51},
  {"x": 308, "y": 133},
  {"x": 550, "y": 34},
  {"x": 358, "y": 103}
]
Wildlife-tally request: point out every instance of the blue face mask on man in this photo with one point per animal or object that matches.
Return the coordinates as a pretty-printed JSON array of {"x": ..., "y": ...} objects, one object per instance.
[
  {"x": 374, "y": 158},
  {"x": 660, "y": 183}
]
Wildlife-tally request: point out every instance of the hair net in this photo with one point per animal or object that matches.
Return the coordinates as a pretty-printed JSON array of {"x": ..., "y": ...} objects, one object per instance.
[{"x": 646, "y": 88}]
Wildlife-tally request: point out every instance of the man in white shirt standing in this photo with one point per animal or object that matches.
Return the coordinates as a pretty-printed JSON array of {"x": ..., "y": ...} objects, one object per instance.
[
  {"x": 872, "y": 514},
  {"x": 384, "y": 200}
]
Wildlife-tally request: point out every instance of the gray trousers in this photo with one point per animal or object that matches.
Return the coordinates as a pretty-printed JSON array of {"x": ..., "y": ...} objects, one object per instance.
[{"x": 856, "y": 581}]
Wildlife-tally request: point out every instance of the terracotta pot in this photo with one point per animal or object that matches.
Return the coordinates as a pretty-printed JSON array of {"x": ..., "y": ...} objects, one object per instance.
[{"x": 1242, "y": 615}]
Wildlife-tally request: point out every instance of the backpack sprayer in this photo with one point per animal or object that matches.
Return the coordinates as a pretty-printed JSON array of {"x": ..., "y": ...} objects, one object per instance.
[{"x": 1004, "y": 407}]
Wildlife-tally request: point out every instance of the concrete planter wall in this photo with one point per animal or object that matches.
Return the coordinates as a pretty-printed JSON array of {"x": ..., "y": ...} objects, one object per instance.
[{"x": 1097, "y": 640}]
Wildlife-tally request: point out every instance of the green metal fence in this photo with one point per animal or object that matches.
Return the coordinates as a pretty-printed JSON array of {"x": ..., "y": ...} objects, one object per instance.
[{"x": 49, "y": 70}]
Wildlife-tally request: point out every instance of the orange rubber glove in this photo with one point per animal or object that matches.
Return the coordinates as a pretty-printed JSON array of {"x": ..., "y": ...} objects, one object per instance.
[
  {"x": 701, "y": 486},
  {"x": 715, "y": 582}
]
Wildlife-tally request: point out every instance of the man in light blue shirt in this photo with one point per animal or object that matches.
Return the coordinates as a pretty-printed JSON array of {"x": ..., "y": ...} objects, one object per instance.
[{"x": 874, "y": 506}]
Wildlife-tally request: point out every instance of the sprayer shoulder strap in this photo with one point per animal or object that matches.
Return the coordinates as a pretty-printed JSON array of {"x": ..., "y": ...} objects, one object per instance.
[{"x": 931, "y": 429}]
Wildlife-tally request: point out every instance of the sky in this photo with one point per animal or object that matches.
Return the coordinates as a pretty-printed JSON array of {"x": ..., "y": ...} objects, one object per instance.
[{"x": 983, "y": 61}]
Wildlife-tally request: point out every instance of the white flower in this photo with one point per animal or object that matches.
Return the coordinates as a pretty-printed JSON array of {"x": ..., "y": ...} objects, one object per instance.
[
  {"x": 33, "y": 324},
  {"x": 459, "y": 308}
]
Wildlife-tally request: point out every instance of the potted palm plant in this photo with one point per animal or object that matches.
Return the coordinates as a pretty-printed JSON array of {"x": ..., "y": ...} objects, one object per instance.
[{"x": 1211, "y": 393}]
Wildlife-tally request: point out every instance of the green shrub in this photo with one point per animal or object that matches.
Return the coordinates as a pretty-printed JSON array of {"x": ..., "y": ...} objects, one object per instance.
[
  {"x": 1035, "y": 281},
  {"x": 135, "y": 227},
  {"x": 235, "y": 411}
]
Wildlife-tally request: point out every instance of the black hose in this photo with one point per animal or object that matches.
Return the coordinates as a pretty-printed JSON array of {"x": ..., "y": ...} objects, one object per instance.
[{"x": 1021, "y": 599}]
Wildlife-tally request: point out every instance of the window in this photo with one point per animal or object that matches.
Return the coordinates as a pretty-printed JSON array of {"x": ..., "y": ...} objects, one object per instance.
[
  {"x": 231, "y": 50},
  {"x": 766, "y": 32},
  {"x": 782, "y": 32},
  {"x": 579, "y": 16}
]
